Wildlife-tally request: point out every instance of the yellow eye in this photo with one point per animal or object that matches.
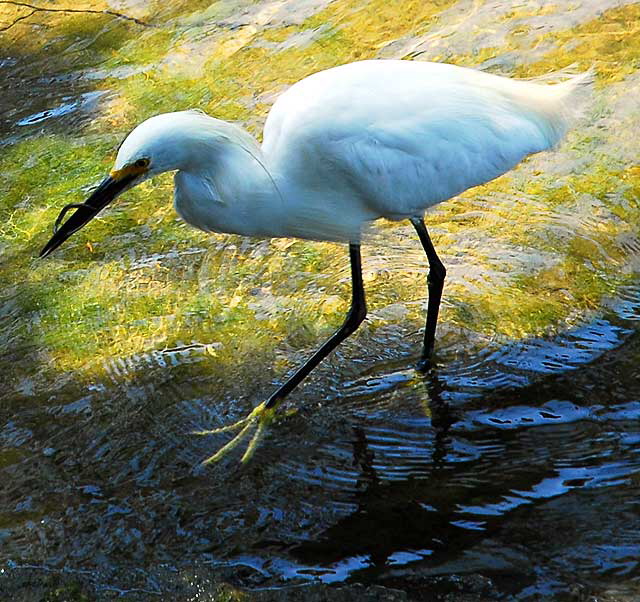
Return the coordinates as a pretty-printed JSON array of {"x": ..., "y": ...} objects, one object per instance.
[{"x": 142, "y": 163}]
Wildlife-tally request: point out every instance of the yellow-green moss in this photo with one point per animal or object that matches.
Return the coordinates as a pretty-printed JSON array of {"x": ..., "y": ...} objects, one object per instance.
[
  {"x": 535, "y": 305},
  {"x": 611, "y": 41},
  {"x": 102, "y": 295},
  {"x": 241, "y": 70},
  {"x": 148, "y": 46}
]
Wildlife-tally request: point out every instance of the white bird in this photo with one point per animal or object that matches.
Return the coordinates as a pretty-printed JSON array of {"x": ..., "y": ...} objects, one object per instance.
[{"x": 342, "y": 148}]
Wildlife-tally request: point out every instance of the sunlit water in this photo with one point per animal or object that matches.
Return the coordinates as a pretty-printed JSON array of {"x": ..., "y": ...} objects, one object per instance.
[{"x": 517, "y": 460}]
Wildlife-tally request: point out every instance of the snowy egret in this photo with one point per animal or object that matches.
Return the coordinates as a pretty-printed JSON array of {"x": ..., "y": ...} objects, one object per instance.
[{"x": 341, "y": 148}]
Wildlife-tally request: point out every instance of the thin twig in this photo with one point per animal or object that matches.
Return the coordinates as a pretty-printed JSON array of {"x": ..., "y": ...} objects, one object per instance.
[
  {"x": 22, "y": 18},
  {"x": 36, "y": 9}
]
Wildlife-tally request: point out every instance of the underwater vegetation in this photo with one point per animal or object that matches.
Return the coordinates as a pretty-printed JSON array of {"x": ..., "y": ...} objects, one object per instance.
[{"x": 106, "y": 293}]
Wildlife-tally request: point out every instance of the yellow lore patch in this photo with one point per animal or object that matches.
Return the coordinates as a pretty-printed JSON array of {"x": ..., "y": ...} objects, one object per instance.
[{"x": 128, "y": 170}]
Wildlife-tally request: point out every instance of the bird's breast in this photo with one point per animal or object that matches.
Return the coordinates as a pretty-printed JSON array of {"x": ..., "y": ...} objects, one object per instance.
[
  {"x": 198, "y": 201},
  {"x": 220, "y": 206}
]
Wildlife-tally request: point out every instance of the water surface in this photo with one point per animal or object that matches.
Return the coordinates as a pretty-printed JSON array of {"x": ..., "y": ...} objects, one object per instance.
[{"x": 511, "y": 471}]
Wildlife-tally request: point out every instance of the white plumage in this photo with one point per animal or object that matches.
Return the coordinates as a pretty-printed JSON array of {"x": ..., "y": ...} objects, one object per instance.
[
  {"x": 352, "y": 144},
  {"x": 341, "y": 149}
]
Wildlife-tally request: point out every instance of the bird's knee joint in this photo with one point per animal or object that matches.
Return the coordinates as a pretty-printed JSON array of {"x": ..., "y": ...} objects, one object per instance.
[
  {"x": 355, "y": 317},
  {"x": 437, "y": 274}
]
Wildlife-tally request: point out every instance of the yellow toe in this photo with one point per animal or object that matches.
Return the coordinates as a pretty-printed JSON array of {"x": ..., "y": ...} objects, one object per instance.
[{"x": 258, "y": 419}]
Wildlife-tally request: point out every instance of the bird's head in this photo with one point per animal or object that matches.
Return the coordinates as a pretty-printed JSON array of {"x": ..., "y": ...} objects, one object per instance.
[{"x": 167, "y": 142}]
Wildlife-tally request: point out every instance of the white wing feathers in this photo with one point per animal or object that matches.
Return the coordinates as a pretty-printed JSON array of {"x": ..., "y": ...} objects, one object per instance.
[
  {"x": 397, "y": 178},
  {"x": 402, "y": 165},
  {"x": 405, "y": 135}
]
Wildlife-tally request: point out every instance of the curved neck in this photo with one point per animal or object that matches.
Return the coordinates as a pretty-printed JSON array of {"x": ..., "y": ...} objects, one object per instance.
[
  {"x": 225, "y": 183},
  {"x": 230, "y": 190}
]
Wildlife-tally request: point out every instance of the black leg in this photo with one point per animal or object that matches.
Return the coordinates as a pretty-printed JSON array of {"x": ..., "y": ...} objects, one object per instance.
[
  {"x": 356, "y": 315},
  {"x": 435, "y": 281}
]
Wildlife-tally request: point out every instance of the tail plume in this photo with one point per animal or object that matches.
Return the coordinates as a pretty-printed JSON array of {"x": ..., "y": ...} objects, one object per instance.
[
  {"x": 566, "y": 102},
  {"x": 558, "y": 106}
]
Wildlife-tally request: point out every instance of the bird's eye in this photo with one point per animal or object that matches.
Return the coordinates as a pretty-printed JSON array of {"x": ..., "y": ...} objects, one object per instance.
[{"x": 142, "y": 163}]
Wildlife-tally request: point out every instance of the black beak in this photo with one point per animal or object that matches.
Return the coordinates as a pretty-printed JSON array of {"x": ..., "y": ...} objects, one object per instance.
[{"x": 107, "y": 190}]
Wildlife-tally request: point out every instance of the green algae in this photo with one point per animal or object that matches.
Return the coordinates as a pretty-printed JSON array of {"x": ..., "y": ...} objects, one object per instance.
[
  {"x": 95, "y": 299},
  {"x": 146, "y": 48},
  {"x": 241, "y": 68},
  {"x": 90, "y": 301},
  {"x": 76, "y": 41},
  {"x": 536, "y": 305},
  {"x": 591, "y": 261},
  {"x": 609, "y": 41}
]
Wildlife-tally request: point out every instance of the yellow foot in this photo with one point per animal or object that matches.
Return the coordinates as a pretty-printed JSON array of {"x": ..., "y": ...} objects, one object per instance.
[{"x": 257, "y": 420}]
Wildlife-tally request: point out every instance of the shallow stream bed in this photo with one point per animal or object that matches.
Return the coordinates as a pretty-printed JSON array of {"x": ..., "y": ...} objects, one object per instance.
[{"x": 510, "y": 472}]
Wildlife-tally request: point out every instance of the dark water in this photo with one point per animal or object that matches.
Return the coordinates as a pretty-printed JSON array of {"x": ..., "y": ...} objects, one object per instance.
[
  {"x": 520, "y": 465},
  {"x": 526, "y": 471}
]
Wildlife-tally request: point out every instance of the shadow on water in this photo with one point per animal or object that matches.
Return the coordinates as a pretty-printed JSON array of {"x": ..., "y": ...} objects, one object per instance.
[
  {"x": 47, "y": 89},
  {"x": 509, "y": 466},
  {"x": 484, "y": 483}
]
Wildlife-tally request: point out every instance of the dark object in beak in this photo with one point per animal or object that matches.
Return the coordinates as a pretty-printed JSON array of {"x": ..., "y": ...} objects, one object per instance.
[{"x": 106, "y": 191}]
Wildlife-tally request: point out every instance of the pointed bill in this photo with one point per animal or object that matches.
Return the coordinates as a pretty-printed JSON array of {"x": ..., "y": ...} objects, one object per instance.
[{"x": 106, "y": 191}]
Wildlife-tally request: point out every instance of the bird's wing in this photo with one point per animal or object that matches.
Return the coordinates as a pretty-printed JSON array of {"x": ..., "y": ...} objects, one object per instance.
[
  {"x": 404, "y": 135},
  {"x": 400, "y": 167}
]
